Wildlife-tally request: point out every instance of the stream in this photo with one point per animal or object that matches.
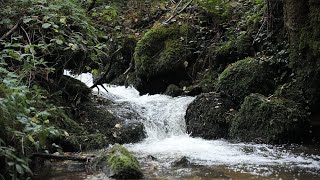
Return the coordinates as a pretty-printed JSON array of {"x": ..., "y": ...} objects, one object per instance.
[{"x": 167, "y": 143}]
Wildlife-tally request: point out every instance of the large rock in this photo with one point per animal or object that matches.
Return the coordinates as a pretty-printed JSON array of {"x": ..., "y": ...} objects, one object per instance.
[
  {"x": 208, "y": 116},
  {"x": 245, "y": 77},
  {"x": 123, "y": 164},
  {"x": 173, "y": 90},
  {"x": 119, "y": 123},
  {"x": 270, "y": 120},
  {"x": 161, "y": 57}
]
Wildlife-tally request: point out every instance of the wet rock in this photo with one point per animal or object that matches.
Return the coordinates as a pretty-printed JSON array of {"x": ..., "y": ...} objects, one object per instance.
[
  {"x": 270, "y": 120},
  {"x": 71, "y": 88},
  {"x": 83, "y": 142},
  {"x": 119, "y": 123},
  {"x": 208, "y": 116},
  {"x": 173, "y": 90},
  {"x": 182, "y": 163},
  {"x": 123, "y": 164},
  {"x": 160, "y": 57},
  {"x": 247, "y": 76},
  {"x": 193, "y": 90}
]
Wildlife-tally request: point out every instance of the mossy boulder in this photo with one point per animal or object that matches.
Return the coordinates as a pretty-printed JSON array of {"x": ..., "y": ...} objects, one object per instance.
[
  {"x": 123, "y": 164},
  {"x": 71, "y": 88},
  {"x": 232, "y": 50},
  {"x": 160, "y": 57},
  {"x": 173, "y": 90},
  {"x": 270, "y": 120},
  {"x": 208, "y": 116},
  {"x": 245, "y": 77}
]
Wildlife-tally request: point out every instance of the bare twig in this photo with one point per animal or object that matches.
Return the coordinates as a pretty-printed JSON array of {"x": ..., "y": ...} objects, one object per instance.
[
  {"x": 62, "y": 157},
  {"x": 11, "y": 30},
  {"x": 255, "y": 38},
  {"x": 99, "y": 82},
  {"x": 25, "y": 32},
  {"x": 175, "y": 14},
  {"x": 173, "y": 2},
  {"x": 130, "y": 67}
]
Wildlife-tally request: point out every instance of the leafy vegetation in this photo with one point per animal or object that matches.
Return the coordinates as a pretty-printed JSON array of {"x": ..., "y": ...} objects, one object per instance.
[
  {"x": 39, "y": 39},
  {"x": 236, "y": 47},
  {"x": 25, "y": 125}
]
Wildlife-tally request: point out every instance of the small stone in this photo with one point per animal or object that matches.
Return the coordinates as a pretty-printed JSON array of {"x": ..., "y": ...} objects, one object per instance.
[
  {"x": 118, "y": 126},
  {"x": 114, "y": 134}
]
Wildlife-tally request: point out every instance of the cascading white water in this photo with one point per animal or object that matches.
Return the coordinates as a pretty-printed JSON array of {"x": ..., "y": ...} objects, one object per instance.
[{"x": 167, "y": 139}]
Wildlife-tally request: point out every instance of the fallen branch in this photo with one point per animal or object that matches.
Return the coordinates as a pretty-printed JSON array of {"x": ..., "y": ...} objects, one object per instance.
[
  {"x": 99, "y": 82},
  {"x": 62, "y": 157},
  {"x": 11, "y": 30},
  {"x": 175, "y": 14},
  {"x": 130, "y": 67}
]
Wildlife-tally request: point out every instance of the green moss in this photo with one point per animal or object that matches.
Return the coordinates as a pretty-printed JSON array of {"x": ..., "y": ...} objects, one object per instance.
[
  {"x": 246, "y": 76},
  {"x": 217, "y": 7},
  {"x": 160, "y": 57},
  {"x": 292, "y": 90},
  {"x": 59, "y": 118},
  {"x": 208, "y": 80},
  {"x": 160, "y": 49},
  {"x": 123, "y": 164},
  {"x": 83, "y": 142},
  {"x": 105, "y": 14},
  {"x": 72, "y": 88},
  {"x": 270, "y": 120}
]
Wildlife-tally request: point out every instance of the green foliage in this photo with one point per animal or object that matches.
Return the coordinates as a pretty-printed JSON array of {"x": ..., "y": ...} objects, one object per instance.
[
  {"x": 105, "y": 14},
  {"x": 17, "y": 166},
  {"x": 26, "y": 127},
  {"x": 240, "y": 30},
  {"x": 217, "y": 7},
  {"x": 55, "y": 31},
  {"x": 24, "y": 55}
]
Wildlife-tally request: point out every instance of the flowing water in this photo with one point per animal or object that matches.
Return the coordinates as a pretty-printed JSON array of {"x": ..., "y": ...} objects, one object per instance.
[{"x": 167, "y": 142}]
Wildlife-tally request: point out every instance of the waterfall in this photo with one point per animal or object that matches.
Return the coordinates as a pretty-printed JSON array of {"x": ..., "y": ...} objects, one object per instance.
[
  {"x": 167, "y": 140},
  {"x": 163, "y": 115}
]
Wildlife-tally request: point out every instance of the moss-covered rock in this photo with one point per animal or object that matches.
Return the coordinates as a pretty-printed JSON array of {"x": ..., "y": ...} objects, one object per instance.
[
  {"x": 72, "y": 89},
  {"x": 173, "y": 90},
  {"x": 208, "y": 116},
  {"x": 160, "y": 56},
  {"x": 247, "y": 76},
  {"x": 77, "y": 142},
  {"x": 270, "y": 120},
  {"x": 123, "y": 164}
]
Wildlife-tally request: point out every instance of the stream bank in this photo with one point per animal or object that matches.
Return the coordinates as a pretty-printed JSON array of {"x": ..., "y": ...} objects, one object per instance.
[{"x": 161, "y": 154}]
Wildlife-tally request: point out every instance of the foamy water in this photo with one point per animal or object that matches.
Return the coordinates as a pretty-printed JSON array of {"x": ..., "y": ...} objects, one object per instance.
[{"x": 167, "y": 140}]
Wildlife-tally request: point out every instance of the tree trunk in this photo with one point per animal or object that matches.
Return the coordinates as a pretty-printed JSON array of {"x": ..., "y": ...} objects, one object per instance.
[{"x": 302, "y": 19}]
